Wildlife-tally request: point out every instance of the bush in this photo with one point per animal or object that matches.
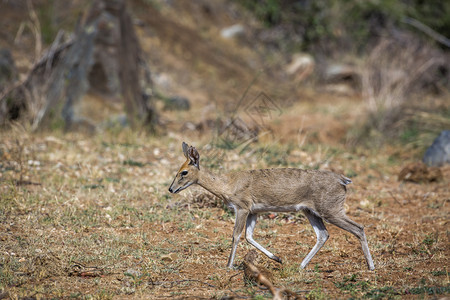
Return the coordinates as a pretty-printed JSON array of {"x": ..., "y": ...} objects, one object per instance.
[
  {"x": 327, "y": 26},
  {"x": 397, "y": 71}
]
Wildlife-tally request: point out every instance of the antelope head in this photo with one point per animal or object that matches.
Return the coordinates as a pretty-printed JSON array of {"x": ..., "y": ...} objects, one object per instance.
[{"x": 188, "y": 173}]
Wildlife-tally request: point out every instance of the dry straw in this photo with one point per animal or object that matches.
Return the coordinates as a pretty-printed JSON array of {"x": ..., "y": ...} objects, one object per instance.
[{"x": 397, "y": 69}]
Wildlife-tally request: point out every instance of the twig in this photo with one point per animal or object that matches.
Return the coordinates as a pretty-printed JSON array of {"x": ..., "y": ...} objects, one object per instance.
[
  {"x": 427, "y": 30},
  {"x": 20, "y": 147},
  {"x": 51, "y": 52},
  {"x": 171, "y": 284},
  {"x": 395, "y": 198},
  {"x": 237, "y": 295},
  {"x": 78, "y": 269},
  {"x": 231, "y": 277},
  {"x": 234, "y": 292},
  {"x": 36, "y": 28}
]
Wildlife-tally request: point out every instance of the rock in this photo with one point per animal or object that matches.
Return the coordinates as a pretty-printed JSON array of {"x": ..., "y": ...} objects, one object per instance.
[
  {"x": 232, "y": 31},
  {"x": 438, "y": 153},
  {"x": 302, "y": 65},
  {"x": 419, "y": 172},
  {"x": 340, "y": 72},
  {"x": 177, "y": 103}
]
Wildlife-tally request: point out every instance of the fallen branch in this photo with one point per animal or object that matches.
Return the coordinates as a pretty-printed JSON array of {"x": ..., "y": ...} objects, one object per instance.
[
  {"x": 47, "y": 60},
  {"x": 264, "y": 277},
  {"x": 277, "y": 293},
  {"x": 428, "y": 31},
  {"x": 78, "y": 269}
]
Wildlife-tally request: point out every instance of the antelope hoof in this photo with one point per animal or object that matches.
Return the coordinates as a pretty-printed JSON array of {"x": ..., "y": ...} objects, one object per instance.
[{"x": 277, "y": 259}]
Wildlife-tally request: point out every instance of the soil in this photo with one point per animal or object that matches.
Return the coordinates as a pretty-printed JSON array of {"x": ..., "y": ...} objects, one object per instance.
[{"x": 90, "y": 216}]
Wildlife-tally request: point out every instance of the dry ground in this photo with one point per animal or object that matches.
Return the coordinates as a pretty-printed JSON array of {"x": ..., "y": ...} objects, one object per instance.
[{"x": 91, "y": 217}]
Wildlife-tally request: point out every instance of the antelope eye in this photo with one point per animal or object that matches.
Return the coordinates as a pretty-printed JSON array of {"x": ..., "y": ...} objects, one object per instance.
[{"x": 184, "y": 173}]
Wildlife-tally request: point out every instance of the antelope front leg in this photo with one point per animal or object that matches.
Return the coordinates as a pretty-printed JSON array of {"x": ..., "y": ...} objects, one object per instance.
[{"x": 241, "y": 216}]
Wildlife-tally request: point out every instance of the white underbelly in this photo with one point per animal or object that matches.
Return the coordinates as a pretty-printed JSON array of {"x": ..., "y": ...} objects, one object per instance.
[{"x": 257, "y": 208}]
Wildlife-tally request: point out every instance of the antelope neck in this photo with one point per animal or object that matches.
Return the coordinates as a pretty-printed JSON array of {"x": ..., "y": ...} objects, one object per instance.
[{"x": 214, "y": 183}]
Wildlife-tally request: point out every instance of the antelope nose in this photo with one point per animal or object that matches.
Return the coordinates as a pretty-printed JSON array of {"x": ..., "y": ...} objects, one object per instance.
[{"x": 170, "y": 189}]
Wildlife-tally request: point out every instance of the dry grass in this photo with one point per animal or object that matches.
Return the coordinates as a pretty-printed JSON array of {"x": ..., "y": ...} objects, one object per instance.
[
  {"x": 90, "y": 217},
  {"x": 394, "y": 76}
]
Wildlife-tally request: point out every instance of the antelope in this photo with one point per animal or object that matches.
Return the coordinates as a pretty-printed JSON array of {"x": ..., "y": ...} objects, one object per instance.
[{"x": 319, "y": 194}]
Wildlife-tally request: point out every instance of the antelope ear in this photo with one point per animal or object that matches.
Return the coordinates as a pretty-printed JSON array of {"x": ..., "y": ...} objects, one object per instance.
[
  {"x": 185, "y": 149},
  {"x": 194, "y": 157}
]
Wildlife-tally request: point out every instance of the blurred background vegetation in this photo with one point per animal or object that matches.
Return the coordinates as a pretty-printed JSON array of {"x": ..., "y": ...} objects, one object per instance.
[
  {"x": 357, "y": 87},
  {"x": 335, "y": 26},
  {"x": 394, "y": 53}
]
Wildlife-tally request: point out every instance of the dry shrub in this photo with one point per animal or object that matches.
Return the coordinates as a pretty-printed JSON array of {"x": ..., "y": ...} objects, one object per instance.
[{"x": 398, "y": 69}]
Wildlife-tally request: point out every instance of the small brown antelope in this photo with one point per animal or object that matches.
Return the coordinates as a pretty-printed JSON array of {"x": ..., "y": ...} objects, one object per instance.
[{"x": 319, "y": 194}]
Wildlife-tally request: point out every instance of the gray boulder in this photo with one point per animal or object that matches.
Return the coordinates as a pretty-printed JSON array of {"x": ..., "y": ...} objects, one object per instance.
[{"x": 438, "y": 153}]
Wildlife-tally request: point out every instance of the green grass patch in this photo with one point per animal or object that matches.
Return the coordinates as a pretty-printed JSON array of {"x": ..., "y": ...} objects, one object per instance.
[
  {"x": 351, "y": 284},
  {"x": 133, "y": 163}
]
